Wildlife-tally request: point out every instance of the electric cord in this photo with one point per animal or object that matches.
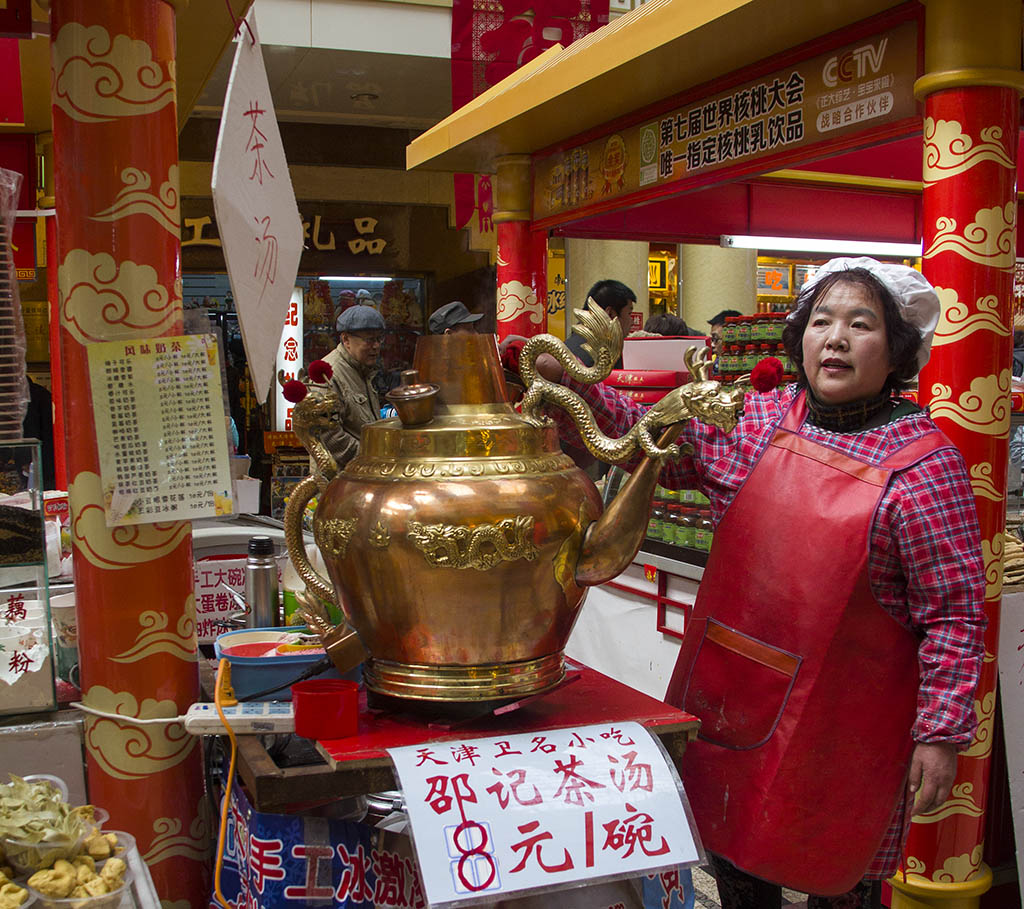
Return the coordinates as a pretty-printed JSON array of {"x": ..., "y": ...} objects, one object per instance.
[
  {"x": 223, "y": 674},
  {"x": 321, "y": 666}
]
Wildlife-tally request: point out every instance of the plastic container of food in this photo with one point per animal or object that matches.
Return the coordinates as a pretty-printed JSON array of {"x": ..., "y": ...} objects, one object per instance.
[
  {"x": 251, "y": 673},
  {"x": 103, "y": 901},
  {"x": 27, "y": 858}
]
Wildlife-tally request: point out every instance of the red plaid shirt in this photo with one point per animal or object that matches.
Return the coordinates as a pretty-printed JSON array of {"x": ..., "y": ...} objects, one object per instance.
[{"x": 925, "y": 563}]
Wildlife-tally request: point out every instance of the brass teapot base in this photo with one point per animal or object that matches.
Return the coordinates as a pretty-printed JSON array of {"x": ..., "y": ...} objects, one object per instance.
[{"x": 447, "y": 683}]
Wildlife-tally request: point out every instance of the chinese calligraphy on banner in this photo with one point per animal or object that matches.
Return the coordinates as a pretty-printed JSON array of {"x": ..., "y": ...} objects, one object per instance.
[
  {"x": 865, "y": 84},
  {"x": 260, "y": 227},
  {"x": 527, "y": 812},
  {"x": 160, "y": 429}
]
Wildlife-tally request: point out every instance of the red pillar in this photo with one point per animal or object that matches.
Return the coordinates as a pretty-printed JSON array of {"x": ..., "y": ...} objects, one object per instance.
[
  {"x": 115, "y": 149},
  {"x": 522, "y": 253},
  {"x": 969, "y": 212}
]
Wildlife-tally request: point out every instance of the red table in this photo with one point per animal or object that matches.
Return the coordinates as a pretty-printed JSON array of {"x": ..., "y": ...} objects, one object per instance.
[{"x": 359, "y": 765}]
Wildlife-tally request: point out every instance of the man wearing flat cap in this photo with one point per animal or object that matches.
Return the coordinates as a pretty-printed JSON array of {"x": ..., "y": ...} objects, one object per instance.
[
  {"x": 452, "y": 318},
  {"x": 354, "y": 365}
]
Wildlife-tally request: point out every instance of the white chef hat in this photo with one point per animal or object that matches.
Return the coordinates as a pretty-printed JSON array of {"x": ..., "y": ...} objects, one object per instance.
[{"x": 914, "y": 295}]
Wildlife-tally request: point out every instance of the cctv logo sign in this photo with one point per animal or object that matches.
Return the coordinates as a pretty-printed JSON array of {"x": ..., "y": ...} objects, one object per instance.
[{"x": 854, "y": 64}]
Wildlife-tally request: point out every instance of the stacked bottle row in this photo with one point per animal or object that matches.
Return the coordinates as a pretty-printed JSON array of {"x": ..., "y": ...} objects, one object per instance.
[
  {"x": 681, "y": 518},
  {"x": 737, "y": 359}
]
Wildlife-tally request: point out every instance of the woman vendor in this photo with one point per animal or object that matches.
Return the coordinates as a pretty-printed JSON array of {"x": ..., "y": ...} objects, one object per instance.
[{"x": 836, "y": 642}]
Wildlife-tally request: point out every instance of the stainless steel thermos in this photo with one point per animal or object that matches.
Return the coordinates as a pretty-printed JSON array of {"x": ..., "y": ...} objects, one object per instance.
[{"x": 261, "y": 583}]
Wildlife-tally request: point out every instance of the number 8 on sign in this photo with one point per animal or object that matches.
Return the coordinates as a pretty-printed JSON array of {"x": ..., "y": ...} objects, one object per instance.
[{"x": 473, "y": 867}]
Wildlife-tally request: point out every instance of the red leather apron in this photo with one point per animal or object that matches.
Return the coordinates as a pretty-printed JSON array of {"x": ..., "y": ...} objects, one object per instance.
[{"x": 805, "y": 686}]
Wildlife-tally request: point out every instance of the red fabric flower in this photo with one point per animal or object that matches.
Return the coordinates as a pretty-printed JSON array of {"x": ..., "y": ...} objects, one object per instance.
[
  {"x": 320, "y": 371},
  {"x": 294, "y": 391},
  {"x": 766, "y": 374}
]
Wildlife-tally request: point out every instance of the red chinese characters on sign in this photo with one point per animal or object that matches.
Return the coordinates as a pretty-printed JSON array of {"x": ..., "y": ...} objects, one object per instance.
[
  {"x": 256, "y": 143},
  {"x": 14, "y": 610},
  {"x": 354, "y": 884},
  {"x": 313, "y": 855}
]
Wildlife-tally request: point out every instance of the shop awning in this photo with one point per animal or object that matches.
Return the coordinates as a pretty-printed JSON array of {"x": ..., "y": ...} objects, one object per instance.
[{"x": 660, "y": 49}]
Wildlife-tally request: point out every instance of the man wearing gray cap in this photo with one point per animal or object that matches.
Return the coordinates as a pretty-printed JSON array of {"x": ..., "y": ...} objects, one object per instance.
[
  {"x": 452, "y": 318},
  {"x": 354, "y": 364}
]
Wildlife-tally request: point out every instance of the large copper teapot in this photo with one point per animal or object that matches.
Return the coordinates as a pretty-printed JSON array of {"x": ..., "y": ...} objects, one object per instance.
[{"x": 460, "y": 541}]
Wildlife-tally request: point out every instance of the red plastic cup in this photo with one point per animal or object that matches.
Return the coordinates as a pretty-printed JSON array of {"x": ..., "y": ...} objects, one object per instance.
[{"x": 326, "y": 708}]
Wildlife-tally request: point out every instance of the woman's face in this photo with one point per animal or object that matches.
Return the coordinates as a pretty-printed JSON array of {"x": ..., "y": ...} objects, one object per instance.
[{"x": 845, "y": 346}]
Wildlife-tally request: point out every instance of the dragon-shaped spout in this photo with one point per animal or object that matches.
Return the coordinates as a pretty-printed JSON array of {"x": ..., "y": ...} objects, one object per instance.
[{"x": 611, "y": 542}]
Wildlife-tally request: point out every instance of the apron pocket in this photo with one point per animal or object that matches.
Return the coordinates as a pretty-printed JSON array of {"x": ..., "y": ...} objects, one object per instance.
[{"x": 738, "y": 687}]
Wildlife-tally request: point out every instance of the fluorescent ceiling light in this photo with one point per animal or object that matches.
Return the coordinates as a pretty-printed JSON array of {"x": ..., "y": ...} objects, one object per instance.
[
  {"x": 810, "y": 244},
  {"x": 358, "y": 279}
]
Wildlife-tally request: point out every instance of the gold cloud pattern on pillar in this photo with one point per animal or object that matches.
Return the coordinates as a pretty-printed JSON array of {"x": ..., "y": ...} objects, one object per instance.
[
  {"x": 117, "y": 547},
  {"x": 136, "y": 198},
  {"x": 985, "y": 711},
  {"x": 956, "y": 869},
  {"x": 958, "y": 320},
  {"x": 959, "y": 869},
  {"x": 987, "y": 240},
  {"x": 128, "y": 751},
  {"x": 515, "y": 299},
  {"x": 959, "y": 802},
  {"x": 984, "y": 408},
  {"x": 992, "y": 554},
  {"x": 170, "y": 841},
  {"x": 981, "y": 482},
  {"x": 949, "y": 151},
  {"x": 103, "y": 300},
  {"x": 155, "y": 638},
  {"x": 98, "y": 78}
]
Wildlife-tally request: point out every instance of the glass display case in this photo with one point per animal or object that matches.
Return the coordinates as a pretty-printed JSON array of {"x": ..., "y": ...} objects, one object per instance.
[{"x": 26, "y": 642}]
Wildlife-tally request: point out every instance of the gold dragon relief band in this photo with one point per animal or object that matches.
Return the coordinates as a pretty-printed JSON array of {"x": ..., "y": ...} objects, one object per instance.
[
  {"x": 332, "y": 535},
  {"x": 480, "y": 547}
]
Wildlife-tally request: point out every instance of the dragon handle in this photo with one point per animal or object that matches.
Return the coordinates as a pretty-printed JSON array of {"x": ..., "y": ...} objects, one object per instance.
[{"x": 701, "y": 398}]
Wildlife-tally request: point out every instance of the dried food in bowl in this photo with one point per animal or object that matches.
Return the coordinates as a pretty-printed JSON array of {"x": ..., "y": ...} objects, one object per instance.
[
  {"x": 37, "y": 827},
  {"x": 81, "y": 884},
  {"x": 14, "y": 896}
]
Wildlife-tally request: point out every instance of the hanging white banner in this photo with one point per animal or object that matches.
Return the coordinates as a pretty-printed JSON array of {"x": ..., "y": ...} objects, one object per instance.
[{"x": 259, "y": 222}]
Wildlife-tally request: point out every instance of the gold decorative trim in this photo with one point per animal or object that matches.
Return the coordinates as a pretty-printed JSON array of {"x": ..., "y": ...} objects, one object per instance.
[
  {"x": 987, "y": 240},
  {"x": 333, "y": 534},
  {"x": 984, "y": 408},
  {"x": 379, "y": 537},
  {"x": 170, "y": 842},
  {"x": 982, "y": 484},
  {"x": 992, "y": 554},
  {"x": 129, "y": 751},
  {"x": 155, "y": 639},
  {"x": 116, "y": 547},
  {"x": 788, "y": 175},
  {"x": 517, "y": 299},
  {"x": 959, "y": 802},
  {"x": 985, "y": 711},
  {"x": 136, "y": 199},
  {"x": 105, "y": 300},
  {"x": 962, "y": 78},
  {"x": 98, "y": 77},
  {"x": 949, "y": 151},
  {"x": 481, "y": 547},
  {"x": 378, "y": 468},
  {"x": 958, "y": 320}
]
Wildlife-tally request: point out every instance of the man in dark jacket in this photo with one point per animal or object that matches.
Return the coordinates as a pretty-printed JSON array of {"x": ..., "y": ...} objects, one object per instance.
[{"x": 615, "y": 299}]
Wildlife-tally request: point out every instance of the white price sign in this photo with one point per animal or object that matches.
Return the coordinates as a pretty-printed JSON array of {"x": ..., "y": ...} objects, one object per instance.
[{"x": 528, "y": 812}]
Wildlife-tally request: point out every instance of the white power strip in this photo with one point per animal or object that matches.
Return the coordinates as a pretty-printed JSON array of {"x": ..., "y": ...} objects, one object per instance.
[{"x": 260, "y": 717}]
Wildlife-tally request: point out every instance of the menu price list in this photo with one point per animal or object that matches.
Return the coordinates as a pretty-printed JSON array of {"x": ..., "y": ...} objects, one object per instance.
[{"x": 160, "y": 429}]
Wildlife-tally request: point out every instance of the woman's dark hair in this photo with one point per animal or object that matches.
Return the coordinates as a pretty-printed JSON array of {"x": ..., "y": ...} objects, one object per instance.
[
  {"x": 665, "y": 323},
  {"x": 903, "y": 338}
]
